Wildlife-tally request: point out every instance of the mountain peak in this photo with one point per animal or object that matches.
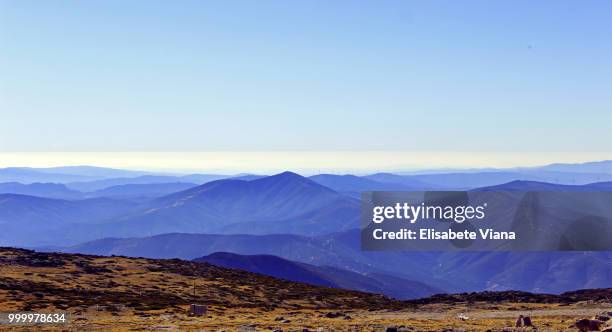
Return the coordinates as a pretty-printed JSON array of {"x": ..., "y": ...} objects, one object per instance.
[
  {"x": 290, "y": 179},
  {"x": 287, "y": 174}
]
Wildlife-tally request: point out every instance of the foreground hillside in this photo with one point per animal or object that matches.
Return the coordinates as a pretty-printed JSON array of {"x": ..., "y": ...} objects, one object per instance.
[
  {"x": 64, "y": 280},
  {"x": 119, "y": 293}
]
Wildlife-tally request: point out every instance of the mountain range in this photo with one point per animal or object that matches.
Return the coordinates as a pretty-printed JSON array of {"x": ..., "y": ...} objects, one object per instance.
[
  {"x": 286, "y": 203},
  {"x": 89, "y": 178},
  {"x": 549, "y": 272},
  {"x": 302, "y": 220},
  {"x": 48, "y": 190},
  {"x": 328, "y": 276}
]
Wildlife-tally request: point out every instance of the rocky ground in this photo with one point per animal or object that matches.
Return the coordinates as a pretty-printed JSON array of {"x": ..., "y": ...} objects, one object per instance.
[{"x": 119, "y": 293}]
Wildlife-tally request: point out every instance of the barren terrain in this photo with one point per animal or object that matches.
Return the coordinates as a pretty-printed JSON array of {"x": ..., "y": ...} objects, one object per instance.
[{"x": 120, "y": 293}]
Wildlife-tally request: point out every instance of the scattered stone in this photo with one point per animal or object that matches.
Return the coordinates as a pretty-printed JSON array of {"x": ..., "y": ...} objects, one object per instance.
[
  {"x": 585, "y": 325},
  {"x": 334, "y": 314},
  {"x": 247, "y": 328},
  {"x": 523, "y": 321}
]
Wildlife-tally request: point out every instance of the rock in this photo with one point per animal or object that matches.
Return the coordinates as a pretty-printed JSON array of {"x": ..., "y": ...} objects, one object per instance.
[
  {"x": 523, "y": 321},
  {"x": 519, "y": 321},
  {"x": 602, "y": 317},
  {"x": 585, "y": 325},
  {"x": 279, "y": 318},
  {"x": 391, "y": 329},
  {"x": 334, "y": 314},
  {"x": 463, "y": 317}
]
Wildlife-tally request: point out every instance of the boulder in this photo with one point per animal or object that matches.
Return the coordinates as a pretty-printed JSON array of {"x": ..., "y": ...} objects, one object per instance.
[
  {"x": 585, "y": 325},
  {"x": 519, "y": 321},
  {"x": 334, "y": 314}
]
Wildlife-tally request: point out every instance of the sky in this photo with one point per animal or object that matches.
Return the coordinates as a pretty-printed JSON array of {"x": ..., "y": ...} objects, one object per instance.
[{"x": 438, "y": 83}]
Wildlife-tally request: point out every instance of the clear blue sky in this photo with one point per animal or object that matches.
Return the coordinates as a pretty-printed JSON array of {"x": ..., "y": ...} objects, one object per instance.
[{"x": 306, "y": 75}]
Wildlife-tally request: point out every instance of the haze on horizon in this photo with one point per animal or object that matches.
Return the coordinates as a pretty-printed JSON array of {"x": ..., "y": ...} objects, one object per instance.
[
  {"x": 303, "y": 162},
  {"x": 448, "y": 84}
]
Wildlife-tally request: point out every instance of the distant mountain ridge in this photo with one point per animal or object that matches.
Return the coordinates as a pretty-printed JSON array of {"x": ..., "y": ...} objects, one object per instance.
[
  {"x": 142, "y": 191},
  {"x": 286, "y": 203},
  {"x": 281, "y": 203},
  {"x": 127, "y": 191},
  {"x": 92, "y": 186},
  {"x": 91, "y": 178},
  {"x": 29, "y": 219},
  {"x": 49, "y": 190},
  {"x": 601, "y": 167},
  {"x": 300, "y": 220},
  {"x": 549, "y": 272},
  {"x": 355, "y": 184},
  {"x": 544, "y": 186},
  {"x": 277, "y": 267},
  {"x": 28, "y": 175}
]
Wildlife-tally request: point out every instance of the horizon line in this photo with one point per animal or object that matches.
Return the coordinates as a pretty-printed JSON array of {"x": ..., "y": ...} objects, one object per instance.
[{"x": 302, "y": 162}]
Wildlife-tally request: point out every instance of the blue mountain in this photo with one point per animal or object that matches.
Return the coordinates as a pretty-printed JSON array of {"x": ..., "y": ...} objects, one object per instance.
[
  {"x": 141, "y": 191},
  {"x": 471, "y": 180},
  {"x": 547, "y": 272},
  {"x": 594, "y": 167},
  {"x": 48, "y": 190},
  {"x": 64, "y": 174},
  {"x": 31, "y": 175},
  {"x": 282, "y": 203},
  {"x": 321, "y": 275},
  {"x": 356, "y": 184},
  {"x": 30, "y": 220},
  {"x": 286, "y": 203},
  {"x": 544, "y": 186},
  {"x": 91, "y": 186},
  {"x": 409, "y": 181},
  {"x": 91, "y": 171}
]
